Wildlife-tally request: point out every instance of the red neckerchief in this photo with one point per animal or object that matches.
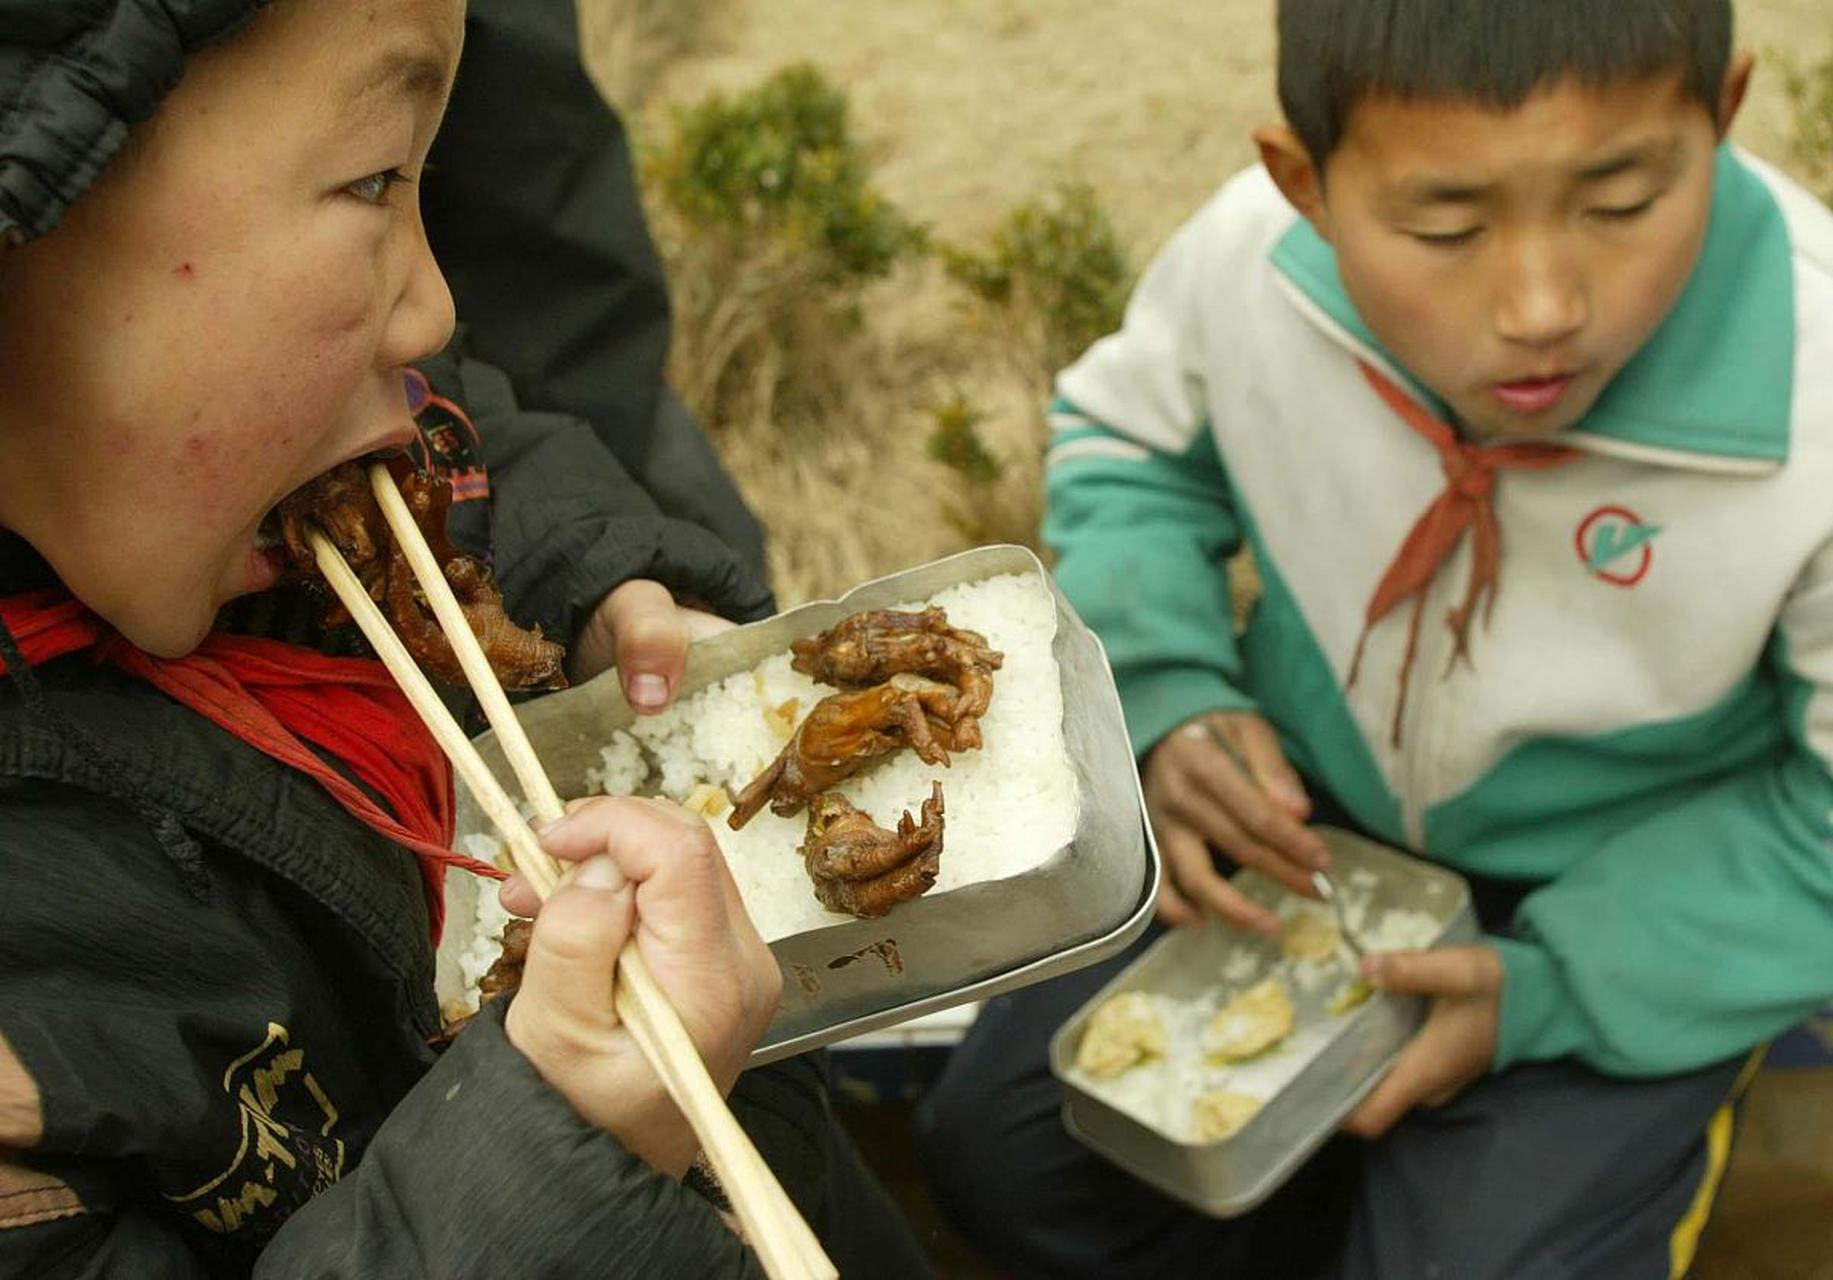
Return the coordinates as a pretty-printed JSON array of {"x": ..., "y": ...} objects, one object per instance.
[
  {"x": 1465, "y": 504},
  {"x": 278, "y": 697}
]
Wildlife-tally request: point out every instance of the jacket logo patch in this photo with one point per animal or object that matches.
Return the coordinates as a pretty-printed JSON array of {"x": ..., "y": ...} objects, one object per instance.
[
  {"x": 287, "y": 1154},
  {"x": 448, "y": 442},
  {"x": 1614, "y": 545}
]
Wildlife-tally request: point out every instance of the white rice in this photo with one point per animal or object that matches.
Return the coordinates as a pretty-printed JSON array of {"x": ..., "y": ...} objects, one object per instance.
[
  {"x": 1008, "y": 806},
  {"x": 485, "y": 942},
  {"x": 623, "y": 771}
]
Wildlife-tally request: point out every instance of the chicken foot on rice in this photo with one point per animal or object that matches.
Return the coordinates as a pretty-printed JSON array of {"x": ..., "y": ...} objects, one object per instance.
[
  {"x": 843, "y": 733},
  {"x": 868, "y": 647},
  {"x": 503, "y": 975},
  {"x": 859, "y": 867}
]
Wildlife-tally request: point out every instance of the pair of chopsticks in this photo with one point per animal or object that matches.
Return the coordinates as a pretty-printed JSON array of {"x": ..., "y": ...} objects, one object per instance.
[{"x": 783, "y": 1241}]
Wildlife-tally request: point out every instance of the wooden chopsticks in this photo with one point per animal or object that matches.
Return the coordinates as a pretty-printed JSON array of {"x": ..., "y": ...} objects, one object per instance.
[
  {"x": 466, "y": 762},
  {"x": 783, "y": 1240}
]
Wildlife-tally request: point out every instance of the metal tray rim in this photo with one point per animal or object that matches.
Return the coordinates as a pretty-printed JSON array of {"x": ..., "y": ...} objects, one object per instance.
[{"x": 919, "y": 581}]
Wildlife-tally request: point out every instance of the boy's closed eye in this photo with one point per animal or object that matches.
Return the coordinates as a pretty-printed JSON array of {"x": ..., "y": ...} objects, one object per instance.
[
  {"x": 1447, "y": 239},
  {"x": 1609, "y": 213},
  {"x": 1623, "y": 213}
]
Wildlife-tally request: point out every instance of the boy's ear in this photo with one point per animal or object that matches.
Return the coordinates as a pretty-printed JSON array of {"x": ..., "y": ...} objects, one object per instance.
[
  {"x": 1298, "y": 179},
  {"x": 1731, "y": 95}
]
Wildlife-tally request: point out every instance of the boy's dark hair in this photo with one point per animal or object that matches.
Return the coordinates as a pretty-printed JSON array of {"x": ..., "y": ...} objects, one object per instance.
[{"x": 1334, "y": 53}]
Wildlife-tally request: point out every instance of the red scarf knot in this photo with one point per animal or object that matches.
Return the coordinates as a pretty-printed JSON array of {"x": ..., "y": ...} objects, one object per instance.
[
  {"x": 1465, "y": 505},
  {"x": 1468, "y": 474}
]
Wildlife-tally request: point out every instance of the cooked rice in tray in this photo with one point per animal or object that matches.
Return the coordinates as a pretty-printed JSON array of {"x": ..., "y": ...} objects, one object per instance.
[{"x": 1010, "y": 804}]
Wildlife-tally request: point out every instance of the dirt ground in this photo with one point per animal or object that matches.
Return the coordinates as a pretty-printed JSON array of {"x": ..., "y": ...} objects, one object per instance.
[{"x": 971, "y": 106}]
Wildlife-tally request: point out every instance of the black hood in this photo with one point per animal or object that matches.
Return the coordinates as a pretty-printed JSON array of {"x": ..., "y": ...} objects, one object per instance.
[{"x": 74, "y": 74}]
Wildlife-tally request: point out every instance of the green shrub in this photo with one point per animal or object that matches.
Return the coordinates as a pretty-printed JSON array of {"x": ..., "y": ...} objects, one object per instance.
[
  {"x": 1810, "y": 96},
  {"x": 765, "y": 211},
  {"x": 956, "y": 444},
  {"x": 1057, "y": 255},
  {"x": 781, "y": 158}
]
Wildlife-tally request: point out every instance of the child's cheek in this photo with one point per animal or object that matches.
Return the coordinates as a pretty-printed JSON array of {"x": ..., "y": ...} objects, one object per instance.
[
  {"x": 1644, "y": 285},
  {"x": 1406, "y": 304},
  {"x": 309, "y": 380}
]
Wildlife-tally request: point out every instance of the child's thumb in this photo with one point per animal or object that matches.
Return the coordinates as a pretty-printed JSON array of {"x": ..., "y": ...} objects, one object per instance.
[
  {"x": 572, "y": 954},
  {"x": 651, "y": 642}
]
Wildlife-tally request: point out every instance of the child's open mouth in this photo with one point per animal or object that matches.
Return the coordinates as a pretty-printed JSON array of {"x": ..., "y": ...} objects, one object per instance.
[
  {"x": 270, "y": 547},
  {"x": 1534, "y": 395}
]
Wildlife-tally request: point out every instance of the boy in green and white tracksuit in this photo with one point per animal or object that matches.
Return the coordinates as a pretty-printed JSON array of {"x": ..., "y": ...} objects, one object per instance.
[
  {"x": 1644, "y": 724},
  {"x": 1521, "y": 393}
]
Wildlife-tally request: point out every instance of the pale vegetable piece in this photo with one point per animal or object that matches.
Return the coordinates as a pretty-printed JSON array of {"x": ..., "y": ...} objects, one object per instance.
[
  {"x": 782, "y": 718},
  {"x": 707, "y": 800},
  {"x": 1251, "y": 1023},
  {"x": 1123, "y": 1033},
  {"x": 1309, "y": 935},
  {"x": 1351, "y": 995},
  {"x": 1220, "y": 1114}
]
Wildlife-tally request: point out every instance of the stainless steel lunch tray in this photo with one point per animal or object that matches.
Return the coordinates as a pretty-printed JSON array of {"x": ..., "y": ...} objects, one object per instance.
[
  {"x": 1227, "y": 1178},
  {"x": 1087, "y": 901}
]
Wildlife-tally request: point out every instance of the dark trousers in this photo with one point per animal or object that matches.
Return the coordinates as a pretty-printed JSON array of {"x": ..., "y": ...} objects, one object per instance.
[
  {"x": 1548, "y": 1170},
  {"x": 861, "y": 1228}
]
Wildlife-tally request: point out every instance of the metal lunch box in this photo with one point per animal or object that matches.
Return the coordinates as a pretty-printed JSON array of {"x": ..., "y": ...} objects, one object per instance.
[
  {"x": 1229, "y": 1177},
  {"x": 1087, "y": 901}
]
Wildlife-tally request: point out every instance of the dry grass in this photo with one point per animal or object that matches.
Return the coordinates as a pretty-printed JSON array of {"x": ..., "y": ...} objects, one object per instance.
[
  {"x": 632, "y": 42},
  {"x": 823, "y": 412},
  {"x": 819, "y": 340}
]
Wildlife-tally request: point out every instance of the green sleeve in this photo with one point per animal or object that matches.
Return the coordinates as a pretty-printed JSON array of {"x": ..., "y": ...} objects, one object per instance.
[
  {"x": 1142, "y": 539},
  {"x": 1699, "y": 932}
]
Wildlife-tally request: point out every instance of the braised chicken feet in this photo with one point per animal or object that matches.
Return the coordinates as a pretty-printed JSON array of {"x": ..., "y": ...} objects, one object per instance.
[
  {"x": 860, "y": 868},
  {"x": 873, "y": 646},
  {"x": 842, "y": 733},
  {"x": 341, "y": 503}
]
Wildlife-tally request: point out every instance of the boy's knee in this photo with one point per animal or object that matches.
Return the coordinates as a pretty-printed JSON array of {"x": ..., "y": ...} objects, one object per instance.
[{"x": 950, "y": 1132}]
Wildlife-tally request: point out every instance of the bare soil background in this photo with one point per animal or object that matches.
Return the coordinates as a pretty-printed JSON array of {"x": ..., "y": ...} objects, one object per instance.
[{"x": 974, "y": 104}]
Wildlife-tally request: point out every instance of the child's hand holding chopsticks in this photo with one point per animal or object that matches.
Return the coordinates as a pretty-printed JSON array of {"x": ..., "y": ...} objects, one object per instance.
[{"x": 650, "y": 867}]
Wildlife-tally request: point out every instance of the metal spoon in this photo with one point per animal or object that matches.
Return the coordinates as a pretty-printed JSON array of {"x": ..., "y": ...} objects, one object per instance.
[{"x": 1327, "y": 890}]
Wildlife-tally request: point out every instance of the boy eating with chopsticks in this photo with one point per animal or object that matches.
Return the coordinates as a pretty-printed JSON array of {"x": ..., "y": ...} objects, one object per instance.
[
  {"x": 1514, "y": 374},
  {"x": 220, "y": 854}
]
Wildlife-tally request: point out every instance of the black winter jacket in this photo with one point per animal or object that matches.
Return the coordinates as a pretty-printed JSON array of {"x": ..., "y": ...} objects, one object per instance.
[
  {"x": 222, "y": 984},
  {"x": 533, "y": 213}
]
